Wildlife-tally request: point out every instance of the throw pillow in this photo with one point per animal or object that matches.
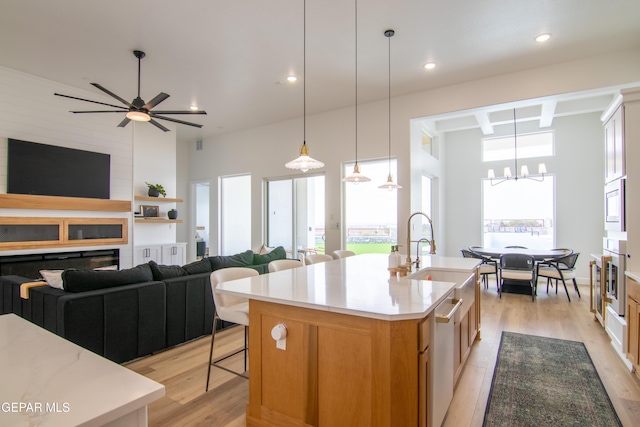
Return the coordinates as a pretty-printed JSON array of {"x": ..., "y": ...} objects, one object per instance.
[
  {"x": 264, "y": 249},
  {"x": 89, "y": 280},
  {"x": 53, "y": 278},
  {"x": 196, "y": 267},
  {"x": 276, "y": 253},
  {"x": 242, "y": 259},
  {"x": 161, "y": 272}
]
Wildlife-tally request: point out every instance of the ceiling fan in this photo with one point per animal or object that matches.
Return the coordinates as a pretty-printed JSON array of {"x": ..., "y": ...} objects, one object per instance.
[{"x": 137, "y": 109}]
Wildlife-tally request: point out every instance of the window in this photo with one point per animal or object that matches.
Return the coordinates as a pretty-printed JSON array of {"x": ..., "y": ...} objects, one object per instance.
[
  {"x": 371, "y": 213},
  {"x": 520, "y": 213},
  {"x": 295, "y": 214},
  {"x": 235, "y": 214},
  {"x": 528, "y": 145},
  {"x": 427, "y": 199}
]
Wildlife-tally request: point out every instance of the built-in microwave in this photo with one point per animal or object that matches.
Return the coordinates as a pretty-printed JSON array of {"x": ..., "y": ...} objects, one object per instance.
[{"x": 614, "y": 206}]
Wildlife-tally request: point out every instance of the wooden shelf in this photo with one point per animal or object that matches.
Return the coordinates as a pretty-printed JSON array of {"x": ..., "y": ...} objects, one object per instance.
[
  {"x": 157, "y": 199},
  {"x": 27, "y": 201},
  {"x": 158, "y": 220}
]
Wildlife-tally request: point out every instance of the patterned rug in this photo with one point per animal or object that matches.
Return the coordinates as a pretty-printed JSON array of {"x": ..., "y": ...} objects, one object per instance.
[{"x": 542, "y": 381}]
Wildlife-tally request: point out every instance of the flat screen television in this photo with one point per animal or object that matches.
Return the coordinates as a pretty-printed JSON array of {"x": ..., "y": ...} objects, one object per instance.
[{"x": 49, "y": 170}]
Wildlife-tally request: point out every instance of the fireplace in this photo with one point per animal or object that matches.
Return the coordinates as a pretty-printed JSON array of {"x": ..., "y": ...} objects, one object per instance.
[{"x": 29, "y": 265}]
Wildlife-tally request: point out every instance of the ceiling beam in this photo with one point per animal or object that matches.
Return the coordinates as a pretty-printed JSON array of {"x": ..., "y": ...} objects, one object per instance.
[
  {"x": 485, "y": 123},
  {"x": 547, "y": 113}
]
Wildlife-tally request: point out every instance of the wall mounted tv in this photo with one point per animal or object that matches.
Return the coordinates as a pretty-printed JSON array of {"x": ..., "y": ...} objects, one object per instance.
[{"x": 48, "y": 170}]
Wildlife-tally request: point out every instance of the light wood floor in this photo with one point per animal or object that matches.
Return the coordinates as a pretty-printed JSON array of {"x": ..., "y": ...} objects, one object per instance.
[{"x": 183, "y": 369}]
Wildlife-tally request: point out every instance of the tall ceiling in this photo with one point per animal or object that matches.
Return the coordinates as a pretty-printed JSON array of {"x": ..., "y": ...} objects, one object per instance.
[{"x": 231, "y": 58}]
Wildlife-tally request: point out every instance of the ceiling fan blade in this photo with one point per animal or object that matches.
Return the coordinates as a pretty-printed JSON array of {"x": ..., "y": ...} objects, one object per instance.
[
  {"x": 124, "y": 122},
  {"x": 180, "y": 112},
  {"x": 158, "y": 125},
  {"x": 155, "y": 101},
  {"x": 98, "y": 111},
  {"x": 88, "y": 100},
  {"x": 108, "y": 92},
  {"x": 175, "y": 120}
]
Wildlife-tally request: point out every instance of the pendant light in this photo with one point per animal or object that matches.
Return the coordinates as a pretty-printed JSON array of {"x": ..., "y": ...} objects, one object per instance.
[
  {"x": 304, "y": 162},
  {"x": 524, "y": 172},
  {"x": 389, "y": 185},
  {"x": 356, "y": 176}
]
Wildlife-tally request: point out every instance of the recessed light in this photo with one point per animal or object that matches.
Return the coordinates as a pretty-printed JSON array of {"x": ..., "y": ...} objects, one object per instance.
[
  {"x": 291, "y": 79},
  {"x": 194, "y": 108},
  {"x": 430, "y": 65},
  {"x": 542, "y": 37}
]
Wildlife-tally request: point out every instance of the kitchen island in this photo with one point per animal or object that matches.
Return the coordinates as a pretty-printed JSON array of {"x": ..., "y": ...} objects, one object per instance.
[{"x": 354, "y": 344}]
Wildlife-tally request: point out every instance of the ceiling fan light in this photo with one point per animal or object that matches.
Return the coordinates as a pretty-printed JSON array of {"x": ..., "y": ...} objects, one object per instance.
[{"x": 138, "y": 116}]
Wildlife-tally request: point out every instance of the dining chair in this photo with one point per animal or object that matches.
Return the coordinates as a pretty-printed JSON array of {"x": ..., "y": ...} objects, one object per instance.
[
  {"x": 230, "y": 309},
  {"x": 487, "y": 267},
  {"x": 317, "y": 258},
  {"x": 284, "y": 264},
  {"x": 343, "y": 254},
  {"x": 518, "y": 268},
  {"x": 562, "y": 268}
]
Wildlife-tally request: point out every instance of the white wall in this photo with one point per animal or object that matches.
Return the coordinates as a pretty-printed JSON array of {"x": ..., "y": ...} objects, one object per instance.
[
  {"x": 262, "y": 151},
  {"x": 578, "y": 167},
  {"x": 29, "y": 111},
  {"x": 155, "y": 162}
]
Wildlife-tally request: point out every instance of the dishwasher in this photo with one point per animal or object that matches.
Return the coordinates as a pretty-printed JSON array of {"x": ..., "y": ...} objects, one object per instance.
[{"x": 442, "y": 355}]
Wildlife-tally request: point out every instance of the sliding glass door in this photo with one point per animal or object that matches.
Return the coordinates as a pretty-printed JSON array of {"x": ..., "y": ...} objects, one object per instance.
[{"x": 295, "y": 214}]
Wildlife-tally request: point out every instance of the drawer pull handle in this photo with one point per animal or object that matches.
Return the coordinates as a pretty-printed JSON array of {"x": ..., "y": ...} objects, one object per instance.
[{"x": 446, "y": 318}]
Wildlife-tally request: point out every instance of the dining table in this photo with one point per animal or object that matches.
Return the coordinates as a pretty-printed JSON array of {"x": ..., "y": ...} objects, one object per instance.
[
  {"x": 537, "y": 254},
  {"x": 510, "y": 286}
]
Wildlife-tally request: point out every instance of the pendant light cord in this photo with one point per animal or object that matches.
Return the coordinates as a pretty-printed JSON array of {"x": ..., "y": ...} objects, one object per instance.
[
  {"x": 515, "y": 143},
  {"x": 356, "y": 26},
  {"x": 391, "y": 33},
  {"x": 304, "y": 72}
]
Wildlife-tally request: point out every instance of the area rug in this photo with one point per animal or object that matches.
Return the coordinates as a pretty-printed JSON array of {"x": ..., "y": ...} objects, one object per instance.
[{"x": 542, "y": 381}]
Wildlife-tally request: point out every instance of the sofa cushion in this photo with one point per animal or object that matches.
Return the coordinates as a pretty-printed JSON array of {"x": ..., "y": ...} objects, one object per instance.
[
  {"x": 243, "y": 259},
  {"x": 87, "y": 280},
  {"x": 277, "y": 253},
  {"x": 161, "y": 272},
  {"x": 197, "y": 267},
  {"x": 54, "y": 277}
]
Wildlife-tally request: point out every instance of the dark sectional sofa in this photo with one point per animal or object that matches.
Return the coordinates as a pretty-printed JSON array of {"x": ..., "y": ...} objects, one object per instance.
[{"x": 126, "y": 314}]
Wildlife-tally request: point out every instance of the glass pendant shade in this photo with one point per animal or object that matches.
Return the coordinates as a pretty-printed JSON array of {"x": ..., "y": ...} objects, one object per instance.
[
  {"x": 304, "y": 162},
  {"x": 356, "y": 176},
  {"x": 542, "y": 169},
  {"x": 524, "y": 171},
  {"x": 390, "y": 185}
]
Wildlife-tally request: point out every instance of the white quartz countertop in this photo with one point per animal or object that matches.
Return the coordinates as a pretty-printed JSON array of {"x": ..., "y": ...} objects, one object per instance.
[
  {"x": 48, "y": 381},
  {"x": 634, "y": 275},
  {"x": 358, "y": 285}
]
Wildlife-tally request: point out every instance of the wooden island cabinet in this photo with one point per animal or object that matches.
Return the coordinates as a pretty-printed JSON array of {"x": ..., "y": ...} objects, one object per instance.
[
  {"x": 633, "y": 320},
  {"x": 358, "y": 349}
]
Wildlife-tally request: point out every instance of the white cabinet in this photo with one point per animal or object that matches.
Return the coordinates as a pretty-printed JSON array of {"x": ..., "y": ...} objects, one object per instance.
[
  {"x": 614, "y": 143},
  {"x": 144, "y": 254},
  {"x": 174, "y": 254},
  {"x": 166, "y": 254}
]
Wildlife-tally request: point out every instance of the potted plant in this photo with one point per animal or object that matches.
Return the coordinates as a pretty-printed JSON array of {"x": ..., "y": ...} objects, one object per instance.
[{"x": 156, "y": 189}]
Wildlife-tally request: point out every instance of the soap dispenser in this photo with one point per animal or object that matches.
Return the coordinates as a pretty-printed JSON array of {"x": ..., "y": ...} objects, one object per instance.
[{"x": 395, "y": 259}]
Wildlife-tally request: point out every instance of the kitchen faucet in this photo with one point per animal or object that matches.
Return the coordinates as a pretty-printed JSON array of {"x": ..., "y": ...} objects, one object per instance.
[{"x": 432, "y": 243}]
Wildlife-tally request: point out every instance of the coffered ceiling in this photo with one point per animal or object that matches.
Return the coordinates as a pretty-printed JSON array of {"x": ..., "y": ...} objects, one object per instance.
[{"x": 231, "y": 58}]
